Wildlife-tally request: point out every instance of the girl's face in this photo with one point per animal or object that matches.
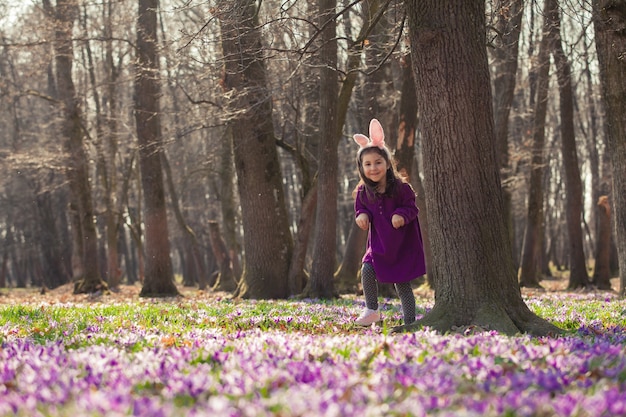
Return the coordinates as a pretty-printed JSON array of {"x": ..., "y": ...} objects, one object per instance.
[{"x": 374, "y": 167}]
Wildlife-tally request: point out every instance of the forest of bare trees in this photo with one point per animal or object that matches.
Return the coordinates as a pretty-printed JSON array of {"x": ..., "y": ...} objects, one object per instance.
[{"x": 207, "y": 143}]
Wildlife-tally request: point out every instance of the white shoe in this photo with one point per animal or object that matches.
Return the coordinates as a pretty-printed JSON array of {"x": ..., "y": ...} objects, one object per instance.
[{"x": 368, "y": 317}]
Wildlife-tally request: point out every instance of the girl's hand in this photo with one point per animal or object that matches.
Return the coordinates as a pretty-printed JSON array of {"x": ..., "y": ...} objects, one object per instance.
[
  {"x": 363, "y": 221},
  {"x": 397, "y": 221}
]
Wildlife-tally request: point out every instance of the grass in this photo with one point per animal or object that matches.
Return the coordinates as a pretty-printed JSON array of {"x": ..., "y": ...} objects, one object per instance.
[{"x": 217, "y": 356}]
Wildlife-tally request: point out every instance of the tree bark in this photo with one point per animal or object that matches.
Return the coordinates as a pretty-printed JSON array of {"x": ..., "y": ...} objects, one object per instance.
[
  {"x": 194, "y": 258},
  {"x": 297, "y": 277},
  {"x": 475, "y": 280},
  {"x": 602, "y": 269},
  {"x": 405, "y": 151},
  {"x": 106, "y": 147},
  {"x": 321, "y": 283},
  {"x": 375, "y": 29},
  {"x": 228, "y": 204},
  {"x": 77, "y": 172},
  {"x": 267, "y": 241},
  {"x": 159, "y": 276},
  {"x": 225, "y": 279},
  {"x": 610, "y": 34},
  {"x": 323, "y": 259},
  {"x": 508, "y": 16},
  {"x": 346, "y": 277},
  {"x": 531, "y": 262},
  {"x": 54, "y": 272},
  {"x": 573, "y": 184}
]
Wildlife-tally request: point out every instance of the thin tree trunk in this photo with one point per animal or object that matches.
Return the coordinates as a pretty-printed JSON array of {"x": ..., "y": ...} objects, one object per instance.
[
  {"x": 4, "y": 270},
  {"x": 225, "y": 280},
  {"x": 71, "y": 128},
  {"x": 573, "y": 183},
  {"x": 106, "y": 167},
  {"x": 602, "y": 269},
  {"x": 228, "y": 203},
  {"x": 297, "y": 277},
  {"x": 333, "y": 110},
  {"x": 405, "y": 151},
  {"x": 346, "y": 277},
  {"x": 159, "y": 276},
  {"x": 321, "y": 283},
  {"x": 195, "y": 258},
  {"x": 508, "y": 15},
  {"x": 55, "y": 274},
  {"x": 533, "y": 236}
]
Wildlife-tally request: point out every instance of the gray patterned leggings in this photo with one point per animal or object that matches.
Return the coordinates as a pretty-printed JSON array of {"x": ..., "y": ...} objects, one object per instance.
[{"x": 404, "y": 290}]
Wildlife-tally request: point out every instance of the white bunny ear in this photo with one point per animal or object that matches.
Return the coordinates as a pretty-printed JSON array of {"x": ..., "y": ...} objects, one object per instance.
[
  {"x": 377, "y": 134},
  {"x": 362, "y": 140}
]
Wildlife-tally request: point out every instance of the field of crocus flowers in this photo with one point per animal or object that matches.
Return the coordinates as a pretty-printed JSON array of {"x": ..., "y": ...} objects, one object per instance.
[{"x": 208, "y": 355}]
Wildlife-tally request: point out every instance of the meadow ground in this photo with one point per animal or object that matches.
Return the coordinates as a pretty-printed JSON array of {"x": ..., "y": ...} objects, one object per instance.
[{"x": 205, "y": 354}]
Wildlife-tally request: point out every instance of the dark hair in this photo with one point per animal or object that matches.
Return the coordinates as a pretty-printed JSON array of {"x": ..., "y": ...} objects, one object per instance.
[{"x": 392, "y": 175}]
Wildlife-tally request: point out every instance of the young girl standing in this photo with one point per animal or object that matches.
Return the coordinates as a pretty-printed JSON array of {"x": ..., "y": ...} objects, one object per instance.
[{"x": 385, "y": 205}]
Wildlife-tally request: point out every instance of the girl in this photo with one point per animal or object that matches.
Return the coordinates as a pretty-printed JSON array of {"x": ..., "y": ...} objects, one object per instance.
[{"x": 385, "y": 205}]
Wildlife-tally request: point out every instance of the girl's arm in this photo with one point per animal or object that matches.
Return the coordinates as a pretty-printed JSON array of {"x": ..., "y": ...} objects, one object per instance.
[
  {"x": 359, "y": 207},
  {"x": 406, "y": 203}
]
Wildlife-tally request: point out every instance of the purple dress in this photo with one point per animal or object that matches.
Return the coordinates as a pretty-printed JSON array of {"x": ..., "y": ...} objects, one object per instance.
[{"x": 397, "y": 255}]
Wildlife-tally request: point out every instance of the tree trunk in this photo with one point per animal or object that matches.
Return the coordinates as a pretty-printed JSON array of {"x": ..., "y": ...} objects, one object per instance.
[
  {"x": 54, "y": 271},
  {"x": 346, "y": 277},
  {"x": 405, "y": 150},
  {"x": 531, "y": 264},
  {"x": 4, "y": 269},
  {"x": 609, "y": 24},
  {"x": 297, "y": 277},
  {"x": 573, "y": 183},
  {"x": 194, "y": 258},
  {"x": 321, "y": 283},
  {"x": 598, "y": 167},
  {"x": 602, "y": 269},
  {"x": 508, "y": 15},
  {"x": 73, "y": 146},
  {"x": 323, "y": 259},
  {"x": 267, "y": 240},
  {"x": 106, "y": 147},
  {"x": 225, "y": 280},
  {"x": 475, "y": 280},
  {"x": 228, "y": 204},
  {"x": 159, "y": 277}
]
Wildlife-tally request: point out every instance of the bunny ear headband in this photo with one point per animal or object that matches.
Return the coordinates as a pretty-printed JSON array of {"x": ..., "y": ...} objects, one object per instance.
[{"x": 377, "y": 136}]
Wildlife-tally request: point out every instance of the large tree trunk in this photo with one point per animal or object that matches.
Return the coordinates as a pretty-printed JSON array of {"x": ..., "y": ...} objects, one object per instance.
[
  {"x": 267, "y": 240},
  {"x": 77, "y": 164},
  {"x": 531, "y": 262},
  {"x": 159, "y": 277},
  {"x": 475, "y": 280},
  {"x": 610, "y": 33},
  {"x": 321, "y": 283}
]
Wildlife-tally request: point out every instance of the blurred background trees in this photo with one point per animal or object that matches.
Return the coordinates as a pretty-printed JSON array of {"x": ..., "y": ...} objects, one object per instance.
[{"x": 251, "y": 128}]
